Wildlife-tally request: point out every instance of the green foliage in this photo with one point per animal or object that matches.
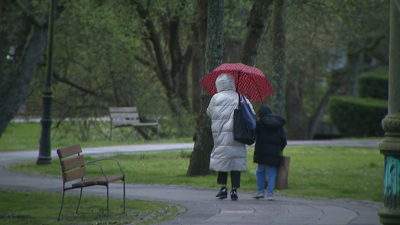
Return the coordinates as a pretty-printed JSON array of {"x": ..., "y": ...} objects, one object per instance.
[
  {"x": 373, "y": 85},
  {"x": 185, "y": 154},
  {"x": 318, "y": 37},
  {"x": 101, "y": 61},
  {"x": 178, "y": 127},
  {"x": 43, "y": 208},
  {"x": 315, "y": 172},
  {"x": 235, "y": 18},
  {"x": 357, "y": 117}
]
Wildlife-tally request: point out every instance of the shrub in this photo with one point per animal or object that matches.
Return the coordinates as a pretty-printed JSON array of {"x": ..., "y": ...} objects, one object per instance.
[
  {"x": 373, "y": 85},
  {"x": 357, "y": 117}
]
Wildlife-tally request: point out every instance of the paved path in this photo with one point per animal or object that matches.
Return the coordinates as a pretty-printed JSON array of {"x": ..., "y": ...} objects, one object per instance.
[{"x": 200, "y": 205}]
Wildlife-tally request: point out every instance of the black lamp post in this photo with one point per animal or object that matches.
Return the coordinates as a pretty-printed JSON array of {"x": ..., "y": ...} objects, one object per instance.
[
  {"x": 47, "y": 97},
  {"x": 390, "y": 146}
]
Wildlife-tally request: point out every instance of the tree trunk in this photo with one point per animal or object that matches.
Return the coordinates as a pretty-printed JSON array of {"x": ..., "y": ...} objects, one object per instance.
[
  {"x": 202, "y": 16},
  {"x": 5, "y": 44},
  {"x": 296, "y": 123},
  {"x": 232, "y": 51},
  {"x": 183, "y": 78},
  {"x": 15, "y": 86},
  {"x": 257, "y": 25},
  {"x": 169, "y": 78},
  {"x": 336, "y": 82},
  {"x": 355, "y": 61},
  {"x": 279, "y": 57},
  {"x": 200, "y": 157},
  {"x": 197, "y": 70},
  {"x": 16, "y": 74},
  {"x": 346, "y": 77},
  {"x": 340, "y": 78}
]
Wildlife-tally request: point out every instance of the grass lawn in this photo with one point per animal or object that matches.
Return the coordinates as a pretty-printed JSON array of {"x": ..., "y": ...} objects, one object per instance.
[
  {"x": 43, "y": 208},
  {"x": 26, "y": 136},
  {"x": 315, "y": 172}
]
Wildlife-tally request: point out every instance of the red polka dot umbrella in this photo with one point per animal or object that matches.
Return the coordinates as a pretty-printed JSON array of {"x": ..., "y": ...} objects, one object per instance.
[{"x": 249, "y": 81}]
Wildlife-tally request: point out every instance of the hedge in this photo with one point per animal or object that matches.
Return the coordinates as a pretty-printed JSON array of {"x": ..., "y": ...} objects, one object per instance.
[
  {"x": 373, "y": 85},
  {"x": 357, "y": 117}
]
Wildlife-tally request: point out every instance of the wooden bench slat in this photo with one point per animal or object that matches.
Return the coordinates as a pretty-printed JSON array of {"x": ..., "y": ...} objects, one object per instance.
[
  {"x": 74, "y": 174},
  {"x": 98, "y": 180},
  {"x": 124, "y": 115},
  {"x": 129, "y": 117},
  {"x": 145, "y": 124},
  {"x": 72, "y": 162},
  {"x": 117, "y": 123},
  {"x": 68, "y": 151},
  {"x": 123, "y": 109}
]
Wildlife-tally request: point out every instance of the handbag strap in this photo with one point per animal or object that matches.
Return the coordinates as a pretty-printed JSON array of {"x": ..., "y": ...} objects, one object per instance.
[{"x": 239, "y": 106}]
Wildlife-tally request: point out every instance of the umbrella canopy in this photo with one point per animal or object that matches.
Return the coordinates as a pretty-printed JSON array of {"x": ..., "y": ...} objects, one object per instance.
[{"x": 249, "y": 81}]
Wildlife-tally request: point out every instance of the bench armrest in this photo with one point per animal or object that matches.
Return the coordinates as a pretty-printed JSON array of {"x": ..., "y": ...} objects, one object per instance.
[
  {"x": 155, "y": 118},
  {"x": 120, "y": 167},
  {"x": 91, "y": 163}
]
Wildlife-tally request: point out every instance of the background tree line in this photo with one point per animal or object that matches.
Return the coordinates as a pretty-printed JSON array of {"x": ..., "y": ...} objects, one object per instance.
[{"x": 151, "y": 54}]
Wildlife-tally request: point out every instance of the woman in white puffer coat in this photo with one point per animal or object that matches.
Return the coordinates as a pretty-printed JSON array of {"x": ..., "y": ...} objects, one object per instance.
[{"x": 227, "y": 154}]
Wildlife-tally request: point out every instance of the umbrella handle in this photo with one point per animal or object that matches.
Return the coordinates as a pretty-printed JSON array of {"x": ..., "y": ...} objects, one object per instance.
[{"x": 237, "y": 85}]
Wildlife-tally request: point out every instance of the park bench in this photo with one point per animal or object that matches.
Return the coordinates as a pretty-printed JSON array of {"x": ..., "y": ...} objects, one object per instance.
[
  {"x": 129, "y": 117},
  {"x": 73, "y": 167}
]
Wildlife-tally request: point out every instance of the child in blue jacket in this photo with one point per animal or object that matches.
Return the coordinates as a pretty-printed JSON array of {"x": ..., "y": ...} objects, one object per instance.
[{"x": 270, "y": 142}]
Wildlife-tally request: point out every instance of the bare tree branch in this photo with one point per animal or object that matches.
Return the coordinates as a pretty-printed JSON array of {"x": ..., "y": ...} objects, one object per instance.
[
  {"x": 72, "y": 84},
  {"x": 146, "y": 62},
  {"x": 337, "y": 77},
  {"x": 30, "y": 15}
]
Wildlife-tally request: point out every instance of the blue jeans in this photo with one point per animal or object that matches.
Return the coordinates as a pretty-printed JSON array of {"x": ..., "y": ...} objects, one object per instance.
[{"x": 261, "y": 178}]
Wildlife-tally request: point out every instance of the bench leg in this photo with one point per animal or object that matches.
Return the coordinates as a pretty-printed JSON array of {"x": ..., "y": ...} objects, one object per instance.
[
  {"x": 80, "y": 196},
  {"x": 124, "y": 195},
  {"x": 133, "y": 134},
  {"x": 108, "y": 204},
  {"x": 62, "y": 204}
]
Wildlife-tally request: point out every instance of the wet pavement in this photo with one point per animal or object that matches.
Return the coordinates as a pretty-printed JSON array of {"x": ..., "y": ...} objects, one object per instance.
[{"x": 199, "y": 206}]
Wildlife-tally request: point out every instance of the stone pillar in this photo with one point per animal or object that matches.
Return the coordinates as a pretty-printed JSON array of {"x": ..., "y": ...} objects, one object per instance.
[{"x": 390, "y": 146}]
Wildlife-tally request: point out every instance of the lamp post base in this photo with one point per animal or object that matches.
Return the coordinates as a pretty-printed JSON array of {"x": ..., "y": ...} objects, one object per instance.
[
  {"x": 389, "y": 217},
  {"x": 44, "y": 161}
]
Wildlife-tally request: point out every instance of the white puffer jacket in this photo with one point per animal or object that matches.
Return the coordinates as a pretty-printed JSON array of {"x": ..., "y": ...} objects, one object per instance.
[{"x": 227, "y": 154}]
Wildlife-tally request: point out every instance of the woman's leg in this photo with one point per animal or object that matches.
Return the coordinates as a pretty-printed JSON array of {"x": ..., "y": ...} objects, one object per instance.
[
  {"x": 235, "y": 178},
  {"x": 222, "y": 178},
  {"x": 261, "y": 177},
  {"x": 271, "y": 179}
]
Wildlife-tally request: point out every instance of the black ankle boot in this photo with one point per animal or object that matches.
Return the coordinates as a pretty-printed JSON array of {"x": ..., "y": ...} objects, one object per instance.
[
  {"x": 223, "y": 193},
  {"x": 234, "y": 195}
]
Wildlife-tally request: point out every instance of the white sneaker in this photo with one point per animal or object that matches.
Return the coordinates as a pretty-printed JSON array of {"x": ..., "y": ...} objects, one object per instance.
[
  {"x": 259, "y": 194},
  {"x": 271, "y": 197}
]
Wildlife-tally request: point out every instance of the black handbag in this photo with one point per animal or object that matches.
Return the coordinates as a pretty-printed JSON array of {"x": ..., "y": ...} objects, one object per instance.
[{"x": 240, "y": 131}]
